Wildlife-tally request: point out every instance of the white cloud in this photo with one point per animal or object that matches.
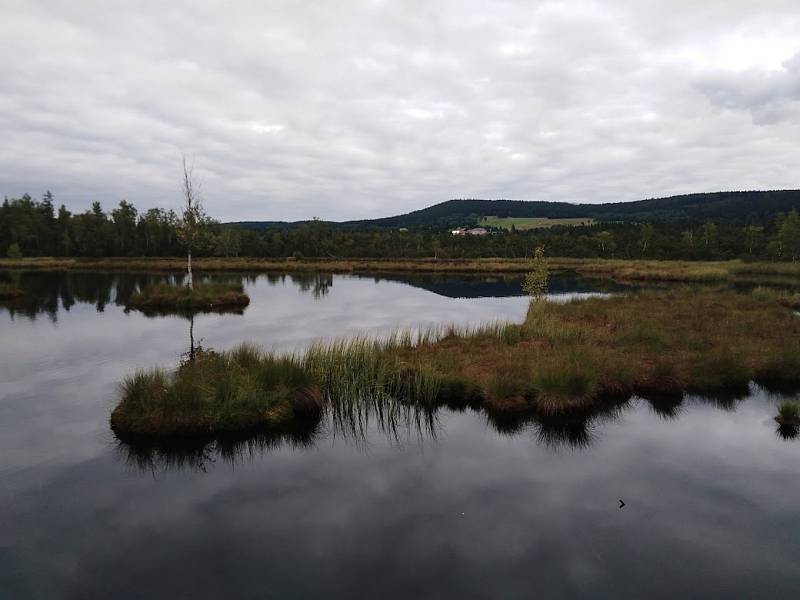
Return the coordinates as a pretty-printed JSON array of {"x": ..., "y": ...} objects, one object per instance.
[{"x": 357, "y": 109}]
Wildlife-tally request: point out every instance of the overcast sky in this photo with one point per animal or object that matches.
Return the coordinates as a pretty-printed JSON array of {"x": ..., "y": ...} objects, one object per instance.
[{"x": 363, "y": 109}]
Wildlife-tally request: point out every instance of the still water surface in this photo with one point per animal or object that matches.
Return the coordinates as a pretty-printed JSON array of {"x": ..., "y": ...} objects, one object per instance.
[{"x": 444, "y": 505}]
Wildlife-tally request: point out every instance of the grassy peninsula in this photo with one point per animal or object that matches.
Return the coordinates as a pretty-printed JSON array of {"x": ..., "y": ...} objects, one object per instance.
[
  {"x": 200, "y": 296},
  {"x": 564, "y": 358}
]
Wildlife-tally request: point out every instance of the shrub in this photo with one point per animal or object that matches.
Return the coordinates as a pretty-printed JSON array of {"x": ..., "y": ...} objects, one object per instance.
[{"x": 535, "y": 281}]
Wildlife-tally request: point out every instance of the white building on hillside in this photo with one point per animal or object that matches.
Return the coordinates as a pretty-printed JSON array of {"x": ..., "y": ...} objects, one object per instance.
[{"x": 465, "y": 231}]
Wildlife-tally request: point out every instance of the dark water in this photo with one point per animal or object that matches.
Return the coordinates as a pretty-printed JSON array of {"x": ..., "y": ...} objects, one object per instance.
[{"x": 426, "y": 506}]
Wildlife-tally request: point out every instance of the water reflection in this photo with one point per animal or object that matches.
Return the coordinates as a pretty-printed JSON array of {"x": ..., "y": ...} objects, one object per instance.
[
  {"x": 375, "y": 507},
  {"x": 668, "y": 407},
  {"x": 317, "y": 284},
  {"x": 499, "y": 285},
  {"x": 397, "y": 424},
  {"x": 47, "y": 292},
  {"x": 359, "y": 425},
  {"x": 201, "y": 453},
  {"x": 788, "y": 432},
  {"x": 574, "y": 430},
  {"x": 356, "y": 425}
]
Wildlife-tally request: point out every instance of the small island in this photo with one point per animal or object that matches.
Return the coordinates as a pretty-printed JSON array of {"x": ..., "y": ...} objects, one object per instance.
[
  {"x": 563, "y": 359},
  {"x": 199, "y": 296}
]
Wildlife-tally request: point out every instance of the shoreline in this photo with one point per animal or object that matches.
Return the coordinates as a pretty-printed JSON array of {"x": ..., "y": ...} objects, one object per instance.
[{"x": 621, "y": 270}]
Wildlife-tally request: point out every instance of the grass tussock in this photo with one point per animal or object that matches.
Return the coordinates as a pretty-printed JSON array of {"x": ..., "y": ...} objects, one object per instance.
[
  {"x": 8, "y": 291},
  {"x": 201, "y": 296},
  {"x": 788, "y": 413},
  {"x": 215, "y": 392},
  {"x": 565, "y": 358}
]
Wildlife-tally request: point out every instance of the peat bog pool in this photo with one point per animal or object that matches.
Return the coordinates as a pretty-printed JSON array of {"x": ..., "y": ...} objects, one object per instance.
[{"x": 443, "y": 504}]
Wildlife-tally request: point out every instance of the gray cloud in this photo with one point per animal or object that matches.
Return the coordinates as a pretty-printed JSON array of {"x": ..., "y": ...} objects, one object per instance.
[
  {"x": 769, "y": 95},
  {"x": 355, "y": 109}
]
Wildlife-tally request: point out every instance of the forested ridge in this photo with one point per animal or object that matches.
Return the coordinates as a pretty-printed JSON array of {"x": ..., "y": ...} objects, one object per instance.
[
  {"x": 30, "y": 227},
  {"x": 730, "y": 207}
]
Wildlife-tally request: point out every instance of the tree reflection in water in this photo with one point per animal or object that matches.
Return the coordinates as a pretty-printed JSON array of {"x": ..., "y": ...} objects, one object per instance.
[{"x": 48, "y": 292}]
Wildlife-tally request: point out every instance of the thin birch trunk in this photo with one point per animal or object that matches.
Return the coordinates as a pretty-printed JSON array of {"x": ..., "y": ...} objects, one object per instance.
[{"x": 189, "y": 281}]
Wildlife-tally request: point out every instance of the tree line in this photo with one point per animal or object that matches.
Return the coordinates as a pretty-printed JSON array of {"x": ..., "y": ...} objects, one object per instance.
[{"x": 31, "y": 227}]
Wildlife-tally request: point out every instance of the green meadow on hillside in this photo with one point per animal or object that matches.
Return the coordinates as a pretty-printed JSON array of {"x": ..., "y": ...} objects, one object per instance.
[{"x": 525, "y": 223}]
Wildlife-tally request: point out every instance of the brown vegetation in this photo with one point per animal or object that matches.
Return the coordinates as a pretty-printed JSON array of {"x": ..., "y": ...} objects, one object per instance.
[
  {"x": 564, "y": 359},
  {"x": 623, "y": 270},
  {"x": 201, "y": 296}
]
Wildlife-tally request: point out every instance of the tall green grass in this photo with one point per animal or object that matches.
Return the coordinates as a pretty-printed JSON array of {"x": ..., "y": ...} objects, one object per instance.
[
  {"x": 247, "y": 387},
  {"x": 237, "y": 389}
]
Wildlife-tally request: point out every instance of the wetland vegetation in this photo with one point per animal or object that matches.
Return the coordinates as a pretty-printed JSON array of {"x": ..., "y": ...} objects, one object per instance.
[
  {"x": 434, "y": 426},
  {"x": 563, "y": 359},
  {"x": 619, "y": 270},
  {"x": 788, "y": 413},
  {"x": 199, "y": 296}
]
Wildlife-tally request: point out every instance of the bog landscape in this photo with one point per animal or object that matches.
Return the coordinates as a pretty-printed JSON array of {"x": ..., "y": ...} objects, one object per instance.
[
  {"x": 368, "y": 299},
  {"x": 265, "y": 343}
]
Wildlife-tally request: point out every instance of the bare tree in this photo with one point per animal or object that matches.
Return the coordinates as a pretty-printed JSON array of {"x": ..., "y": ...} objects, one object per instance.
[{"x": 193, "y": 217}]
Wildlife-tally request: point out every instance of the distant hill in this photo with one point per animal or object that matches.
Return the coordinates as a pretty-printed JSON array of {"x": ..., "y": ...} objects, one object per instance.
[{"x": 716, "y": 206}]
